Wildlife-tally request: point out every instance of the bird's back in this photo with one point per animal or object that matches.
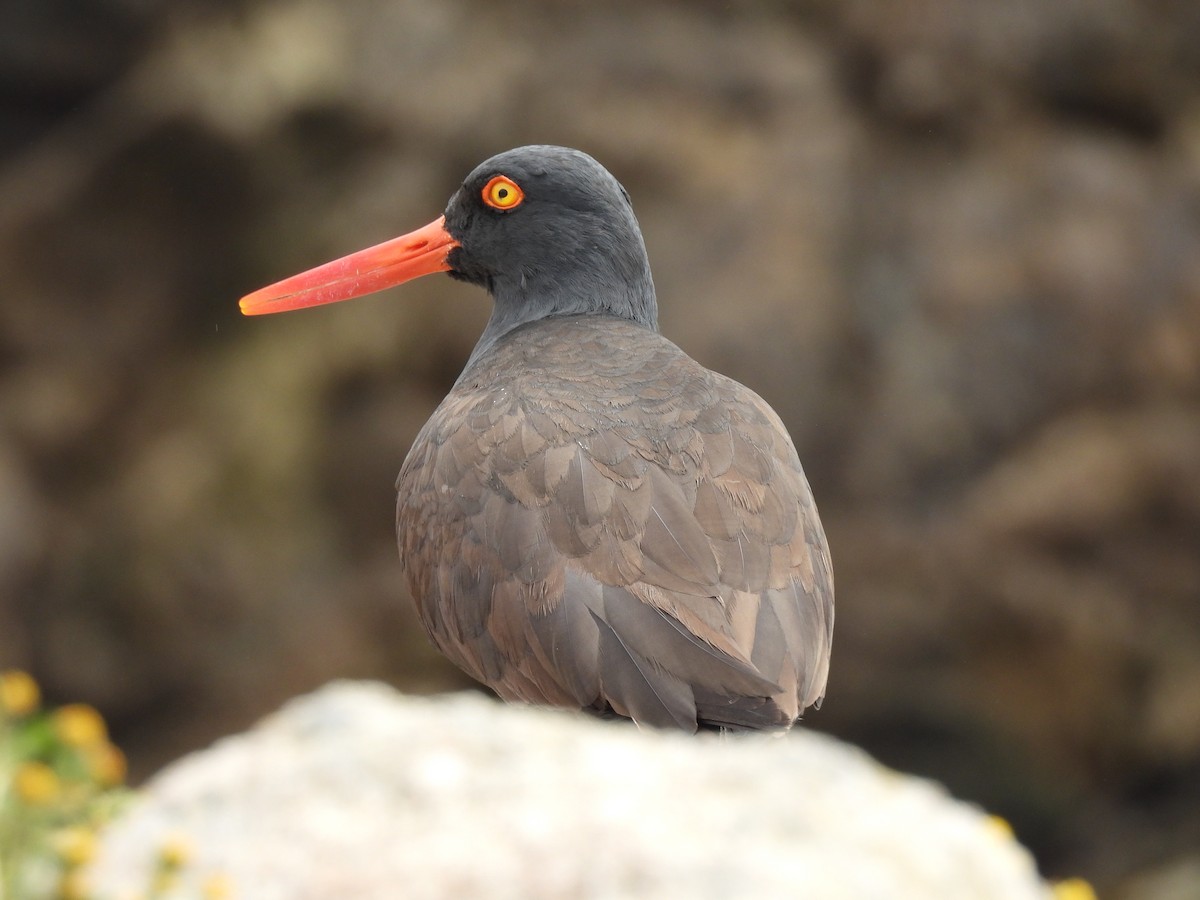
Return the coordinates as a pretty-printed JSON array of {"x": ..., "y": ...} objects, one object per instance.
[{"x": 593, "y": 519}]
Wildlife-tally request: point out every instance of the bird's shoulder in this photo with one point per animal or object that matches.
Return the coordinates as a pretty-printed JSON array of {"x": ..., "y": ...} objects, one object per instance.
[{"x": 641, "y": 461}]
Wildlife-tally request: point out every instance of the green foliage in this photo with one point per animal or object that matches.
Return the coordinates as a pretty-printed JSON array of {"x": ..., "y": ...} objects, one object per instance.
[{"x": 60, "y": 780}]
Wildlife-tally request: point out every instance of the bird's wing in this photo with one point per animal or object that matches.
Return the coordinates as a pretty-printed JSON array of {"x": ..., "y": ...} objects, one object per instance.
[{"x": 662, "y": 559}]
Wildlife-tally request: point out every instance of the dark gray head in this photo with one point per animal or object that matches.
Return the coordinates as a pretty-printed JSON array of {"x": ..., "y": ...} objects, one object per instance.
[
  {"x": 549, "y": 232},
  {"x": 546, "y": 230}
]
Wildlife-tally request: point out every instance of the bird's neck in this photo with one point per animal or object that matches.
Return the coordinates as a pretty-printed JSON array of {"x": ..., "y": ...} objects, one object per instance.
[{"x": 517, "y": 301}]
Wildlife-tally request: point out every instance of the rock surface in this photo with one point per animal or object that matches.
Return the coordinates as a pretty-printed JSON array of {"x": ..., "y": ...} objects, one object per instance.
[{"x": 359, "y": 791}]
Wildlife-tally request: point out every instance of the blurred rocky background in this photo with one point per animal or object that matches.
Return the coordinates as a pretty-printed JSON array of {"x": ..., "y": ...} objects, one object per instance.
[{"x": 955, "y": 244}]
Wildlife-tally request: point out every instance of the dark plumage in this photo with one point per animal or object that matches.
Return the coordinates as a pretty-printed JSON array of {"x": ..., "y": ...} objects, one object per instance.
[{"x": 591, "y": 518}]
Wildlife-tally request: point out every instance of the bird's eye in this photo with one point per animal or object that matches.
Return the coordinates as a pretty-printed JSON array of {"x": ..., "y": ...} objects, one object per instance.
[{"x": 502, "y": 193}]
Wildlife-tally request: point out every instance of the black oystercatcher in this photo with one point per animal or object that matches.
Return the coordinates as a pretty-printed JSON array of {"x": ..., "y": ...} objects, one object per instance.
[{"x": 591, "y": 518}]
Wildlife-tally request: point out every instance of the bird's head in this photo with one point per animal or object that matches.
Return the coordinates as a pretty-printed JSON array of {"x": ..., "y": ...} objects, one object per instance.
[{"x": 546, "y": 230}]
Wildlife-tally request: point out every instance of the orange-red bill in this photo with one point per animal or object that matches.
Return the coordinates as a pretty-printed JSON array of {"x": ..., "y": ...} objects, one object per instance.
[{"x": 420, "y": 252}]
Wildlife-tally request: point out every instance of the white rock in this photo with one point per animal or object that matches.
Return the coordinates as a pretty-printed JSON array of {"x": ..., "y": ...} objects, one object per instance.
[{"x": 357, "y": 791}]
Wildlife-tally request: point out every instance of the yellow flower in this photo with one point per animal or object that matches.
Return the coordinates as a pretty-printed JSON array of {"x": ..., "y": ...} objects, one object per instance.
[
  {"x": 106, "y": 763},
  {"x": 19, "y": 694},
  {"x": 1000, "y": 827},
  {"x": 73, "y": 886},
  {"x": 174, "y": 853},
  {"x": 1074, "y": 889},
  {"x": 217, "y": 887},
  {"x": 36, "y": 784},
  {"x": 75, "y": 846},
  {"x": 79, "y": 725}
]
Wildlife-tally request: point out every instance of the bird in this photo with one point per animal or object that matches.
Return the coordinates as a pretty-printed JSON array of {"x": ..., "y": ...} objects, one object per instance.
[{"x": 592, "y": 519}]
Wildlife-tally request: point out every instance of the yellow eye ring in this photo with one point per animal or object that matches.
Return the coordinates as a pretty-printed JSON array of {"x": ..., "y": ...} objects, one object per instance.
[{"x": 502, "y": 193}]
